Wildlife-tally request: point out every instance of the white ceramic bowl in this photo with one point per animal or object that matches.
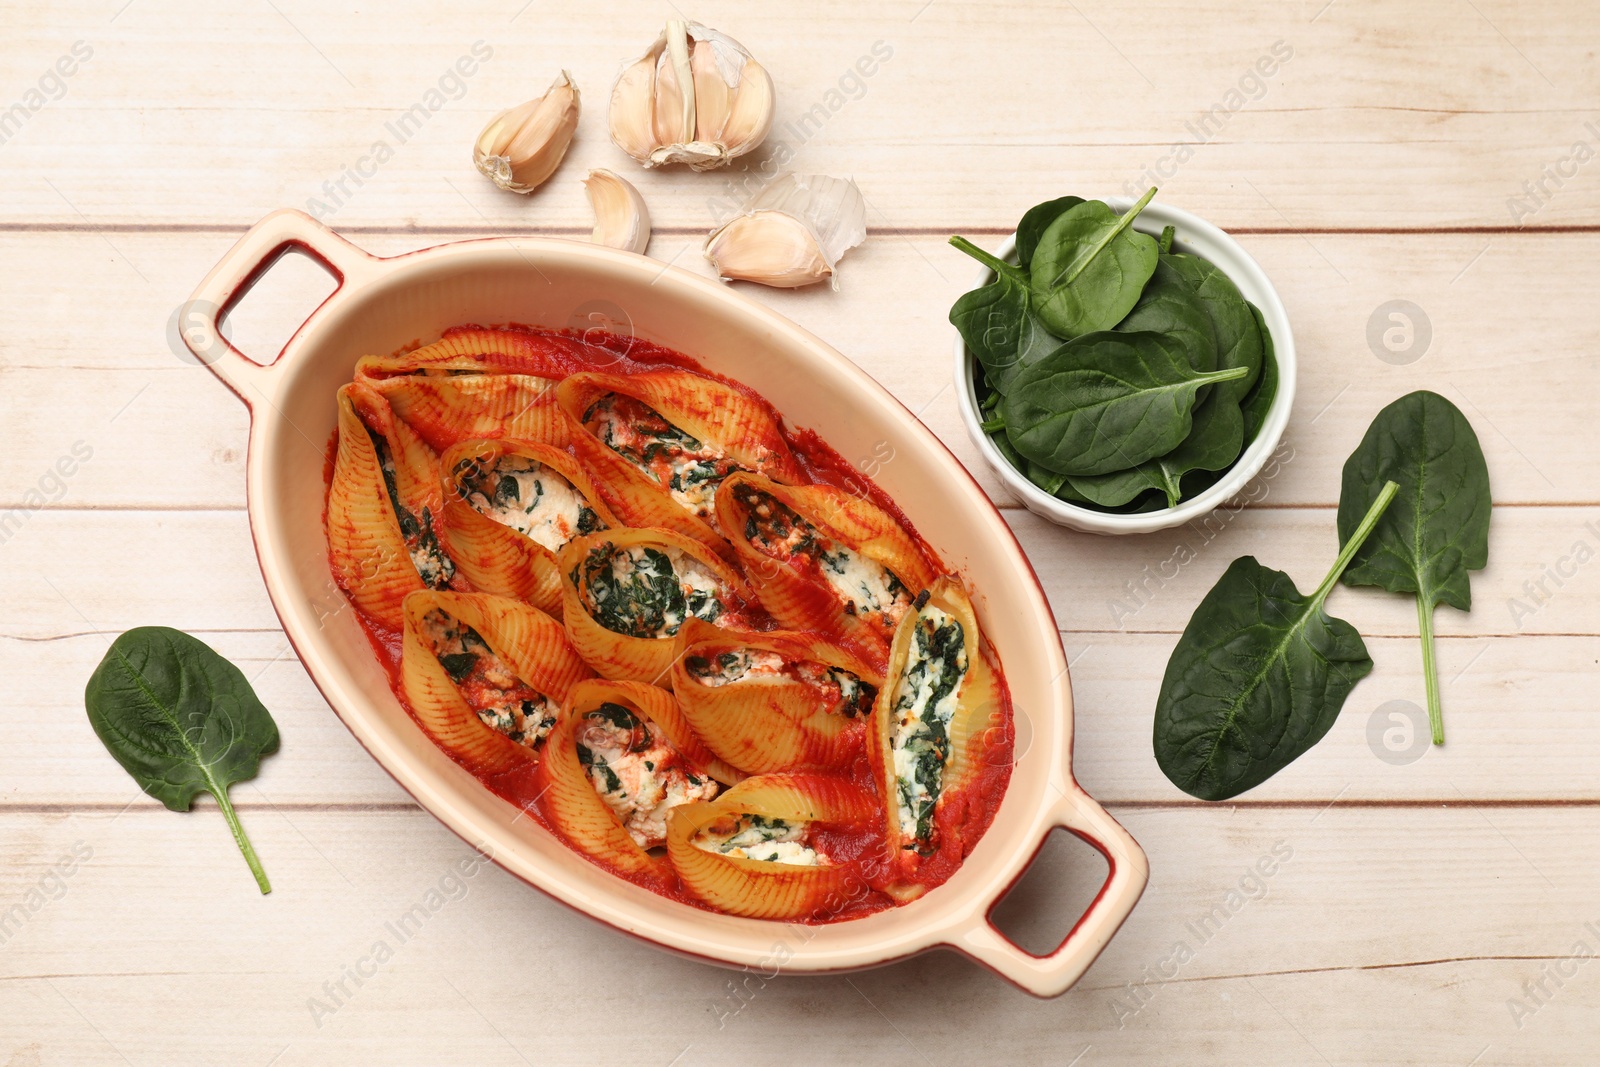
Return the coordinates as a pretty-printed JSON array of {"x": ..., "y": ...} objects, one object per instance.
[
  {"x": 1200, "y": 237},
  {"x": 384, "y": 304}
]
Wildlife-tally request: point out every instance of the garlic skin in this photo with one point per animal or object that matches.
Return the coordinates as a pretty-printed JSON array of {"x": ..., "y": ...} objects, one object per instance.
[
  {"x": 621, "y": 219},
  {"x": 695, "y": 97},
  {"x": 792, "y": 233},
  {"x": 522, "y": 146}
]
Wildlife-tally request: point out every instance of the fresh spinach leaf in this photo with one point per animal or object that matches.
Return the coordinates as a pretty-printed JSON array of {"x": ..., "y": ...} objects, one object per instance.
[
  {"x": 1119, "y": 487},
  {"x": 1105, "y": 402},
  {"x": 1258, "y": 676},
  {"x": 181, "y": 719},
  {"x": 1045, "y": 479},
  {"x": 1438, "y": 529},
  {"x": 1233, "y": 326},
  {"x": 1171, "y": 304},
  {"x": 1168, "y": 235},
  {"x": 1090, "y": 267},
  {"x": 1036, "y": 221},
  {"x": 1258, "y": 401},
  {"x": 996, "y": 321}
]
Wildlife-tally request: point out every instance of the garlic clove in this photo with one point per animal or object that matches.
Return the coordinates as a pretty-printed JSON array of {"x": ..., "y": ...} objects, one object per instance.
[
  {"x": 632, "y": 114},
  {"x": 713, "y": 97},
  {"x": 674, "y": 98},
  {"x": 522, "y": 146},
  {"x": 695, "y": 97},
  {"x": 768, "y": 247},
  {"x": 792, "y": 233},
  {"x": 621, "y": 219},
  {"x": 750, "y": 118}
]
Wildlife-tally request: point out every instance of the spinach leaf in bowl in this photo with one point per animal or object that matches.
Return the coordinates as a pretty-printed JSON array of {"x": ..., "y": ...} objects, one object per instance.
[
  {"x": 1090, "y": 267},
  {"x": 1258, "y": 401},
  {"x": 1172, "y": 305},
  {"x": 1105, "y": 402},
  {"x": 1036, "y": 221},
  {"x": 996, "y": 321}
]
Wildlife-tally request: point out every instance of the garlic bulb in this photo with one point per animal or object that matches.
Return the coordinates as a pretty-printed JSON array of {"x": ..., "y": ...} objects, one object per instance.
[
  {"x": 695, "y": 97},
  {"x": 792, "y": 233},
  {"x": 621, "y": 219},
  {"x": 523, "y": 145}
]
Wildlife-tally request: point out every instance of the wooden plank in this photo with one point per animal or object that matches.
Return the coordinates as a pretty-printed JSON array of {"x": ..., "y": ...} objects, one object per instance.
[
  {"x": 165, "y": 433},
  {"x": 1497, "y": 693},
  {"x": 1487, "y": 101},
  {"x": 1441, "y": 914}
]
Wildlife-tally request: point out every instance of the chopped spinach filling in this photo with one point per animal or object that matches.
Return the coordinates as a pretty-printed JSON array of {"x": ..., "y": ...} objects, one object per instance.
[
  {"x": 637, "y": 592},
  {"x": 923, "y": 709},
  {"x": 434, "y": 567},
  {"x": 773, "y": 527}
]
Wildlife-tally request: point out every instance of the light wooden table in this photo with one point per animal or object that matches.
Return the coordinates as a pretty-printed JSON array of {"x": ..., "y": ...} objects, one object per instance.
[{"x": 1438, "y": 153}]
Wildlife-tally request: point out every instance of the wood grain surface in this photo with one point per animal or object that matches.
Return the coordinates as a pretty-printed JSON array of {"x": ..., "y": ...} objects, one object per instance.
[{"x": 1425, "y": 906}]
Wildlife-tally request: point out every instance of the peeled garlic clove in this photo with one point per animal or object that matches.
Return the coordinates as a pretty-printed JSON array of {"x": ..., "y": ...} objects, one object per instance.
[
  {"x": 696, "y": 97},
  {"x": 621, "y": 219},
  {"x": 792, "y": 233},
  {"x": 522, "y": 146}
]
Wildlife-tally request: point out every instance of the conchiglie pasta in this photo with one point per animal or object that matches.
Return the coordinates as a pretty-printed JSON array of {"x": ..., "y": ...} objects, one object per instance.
[
  {"x": 753, "y": 850},
  {"x": 661, "y": 442},
  {"x": 486, "y": 676},
  {"x": 822, "y": 558},
  {"x": 509, "y": 507},
  {"x": 935, "y": 726},
  {"x": 626, "y": 593},
  {"x": 447, "y": 410},
  {"x": 384, "y": 504},
  {"x": 619, "y": 762},
  {"x": 776, "y": 701},
  {"x": 477, "y": 350}
]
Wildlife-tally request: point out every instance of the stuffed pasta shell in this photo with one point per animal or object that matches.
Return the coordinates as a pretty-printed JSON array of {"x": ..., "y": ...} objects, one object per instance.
[
  {"x": 486, "y": 676},
  {"x": 775, "y": 701},
  {"x": 478, "y": 383},
  {"x": 761, "y": 848},
  {"x": 509, "y": 507},
  {"x": 934, "y": 730},
  {"x": 662, "y": 441},
  {"x": 822, "y": 558},
  {"x": 478, "y": 350},
  {"x": 626, "y": 593},
  {"x": 384, "y": 506},
  {"x": 621, "y": 760}
]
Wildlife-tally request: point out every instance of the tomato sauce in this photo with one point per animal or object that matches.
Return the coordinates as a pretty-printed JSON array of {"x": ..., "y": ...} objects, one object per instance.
[{"x": 964, "y": 812}]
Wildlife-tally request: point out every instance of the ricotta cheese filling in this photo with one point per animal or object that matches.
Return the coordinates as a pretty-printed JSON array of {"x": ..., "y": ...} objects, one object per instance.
[
  {"x": 924, "y": 703},
  {"x": 758, "y": 837},
  {"x": 637, "y": 772},
  {"x": 644, "y": 591},
  {"x": 500, "y": 699},
  {"x": 434, "y": 567},
  {"x": 529, "y": 497},
  {"x": 686, "y": 467},
  {"x": 842, "y": 690},
  {"x": 864, "y": 586}
]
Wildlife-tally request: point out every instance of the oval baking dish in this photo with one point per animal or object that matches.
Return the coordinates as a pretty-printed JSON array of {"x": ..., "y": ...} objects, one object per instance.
[{"x": 381, "y": 305}]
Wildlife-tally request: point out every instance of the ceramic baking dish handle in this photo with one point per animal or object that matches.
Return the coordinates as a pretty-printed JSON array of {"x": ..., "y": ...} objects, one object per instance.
[
  {"x": 1054, "y": 973},
  {"x": 249, "y": 258}
]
